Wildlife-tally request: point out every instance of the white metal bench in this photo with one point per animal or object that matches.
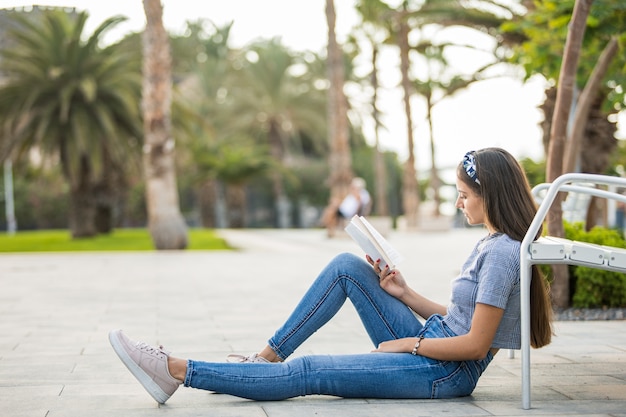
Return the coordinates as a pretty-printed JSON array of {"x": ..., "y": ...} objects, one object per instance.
[{"x": 551, "y": 250}]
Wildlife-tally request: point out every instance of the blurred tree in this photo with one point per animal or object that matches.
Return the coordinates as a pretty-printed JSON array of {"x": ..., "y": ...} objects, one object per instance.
[
  {"x": 535, "y": 171},
  {"x": 400, "y": 23},
  {"x": 40, "y": 197},
  {"x": 165, "y": 221},
  {"x": 236, "y": 161},
  {"x": 437, "y": 87},
  {"x": 71, "y": 100},
  {"x": 228, "y": 97},
  {"x": 374, "y": 37},
  {"x": 276, "y": 104},
  {"x": 339, "y": 162},
  {"x": 589, "y": 78},
  {"x": 202, "y": 110}
]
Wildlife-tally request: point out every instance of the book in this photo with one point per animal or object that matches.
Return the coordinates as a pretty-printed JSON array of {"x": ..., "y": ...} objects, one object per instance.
[{"x": 372, "y": 242}]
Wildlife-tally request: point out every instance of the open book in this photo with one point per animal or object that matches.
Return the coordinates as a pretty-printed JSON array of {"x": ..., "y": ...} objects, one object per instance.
[{"x": 372, "y": 242}]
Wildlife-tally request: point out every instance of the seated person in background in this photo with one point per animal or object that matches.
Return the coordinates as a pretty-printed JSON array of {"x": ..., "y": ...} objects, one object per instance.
[{"x": 358, "y": 201}]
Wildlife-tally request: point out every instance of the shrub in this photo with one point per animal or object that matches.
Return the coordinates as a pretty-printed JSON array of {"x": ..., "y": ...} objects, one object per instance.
[
  {"x": 40, "y": 199},
  {"x": 596, "y": 288}
]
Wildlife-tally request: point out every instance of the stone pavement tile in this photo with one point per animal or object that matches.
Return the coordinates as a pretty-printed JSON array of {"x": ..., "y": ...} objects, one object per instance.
[
  {"x": 602, "y": 352},
  {"x": 43, "y": 369},
  {"x": 377, "y": 408},
  {"x": 554, "y": 408},
  {"x": 600, "y": 391},
  {"x": 548, "y": 374},
  {"x": 44, "y": 412},
  {"x": 103, "y": 405},
  {"x": 512, "y": 393},
  {"x": 498, "y": 384},
  {"x": 31, "y": 400},
  {"x": 579, "y": 381},
  {"x": 573, "y": 370}
]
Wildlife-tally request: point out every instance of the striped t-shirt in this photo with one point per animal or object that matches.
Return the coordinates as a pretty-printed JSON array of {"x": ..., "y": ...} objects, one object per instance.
[{"x": 489, "y": 276}]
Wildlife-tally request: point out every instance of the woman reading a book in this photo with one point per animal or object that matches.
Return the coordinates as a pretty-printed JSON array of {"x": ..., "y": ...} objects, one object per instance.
[{"x": 441, "y": 356}]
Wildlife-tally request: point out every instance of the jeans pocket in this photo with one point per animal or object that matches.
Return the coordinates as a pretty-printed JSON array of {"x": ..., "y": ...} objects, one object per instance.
[
  {"x": 435, "y": 327},
  {"x": 447, "y": 330},
  {"x": 455, "y": 384}
]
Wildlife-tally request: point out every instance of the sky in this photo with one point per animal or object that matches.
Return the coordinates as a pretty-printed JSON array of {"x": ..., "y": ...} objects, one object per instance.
[{"x": 499, "y": 112}]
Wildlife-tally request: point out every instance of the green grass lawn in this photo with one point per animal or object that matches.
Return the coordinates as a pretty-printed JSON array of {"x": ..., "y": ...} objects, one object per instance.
[{"x": 118, "y": 240}]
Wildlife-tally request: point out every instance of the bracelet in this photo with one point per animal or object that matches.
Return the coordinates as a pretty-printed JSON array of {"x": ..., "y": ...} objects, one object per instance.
[{"x": 417, "y": 345}]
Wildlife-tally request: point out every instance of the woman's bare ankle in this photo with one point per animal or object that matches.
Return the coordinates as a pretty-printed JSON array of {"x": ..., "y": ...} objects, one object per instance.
[
  {"x": 177, "y": 368},
  {"x": 269, "y": 354}
]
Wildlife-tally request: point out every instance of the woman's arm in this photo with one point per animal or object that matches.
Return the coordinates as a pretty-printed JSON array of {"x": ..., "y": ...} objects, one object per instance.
[
  {"x": 394, "y": 283},
  {"x": 471, "y": 346},
  {"x": 420, "y": 304}
]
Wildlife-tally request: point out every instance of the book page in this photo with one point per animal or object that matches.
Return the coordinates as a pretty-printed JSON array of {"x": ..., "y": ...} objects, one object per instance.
[
  {"x": 390, "y": 252},
  {"x": 372, "y": 242},
  {"x": 366, "y": 243}
]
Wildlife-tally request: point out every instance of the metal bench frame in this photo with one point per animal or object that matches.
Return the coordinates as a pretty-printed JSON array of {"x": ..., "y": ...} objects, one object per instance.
[{"x": 550, "y": 250}]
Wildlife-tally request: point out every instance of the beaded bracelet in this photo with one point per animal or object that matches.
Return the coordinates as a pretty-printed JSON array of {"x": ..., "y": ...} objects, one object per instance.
[{"x": 417, "y": 345}]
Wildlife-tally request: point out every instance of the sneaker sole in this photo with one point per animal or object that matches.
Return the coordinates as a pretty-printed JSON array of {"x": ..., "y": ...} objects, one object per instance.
[{"x": 144, "y": 379}]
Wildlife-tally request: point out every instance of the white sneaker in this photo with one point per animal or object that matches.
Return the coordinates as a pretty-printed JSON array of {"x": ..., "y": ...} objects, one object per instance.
[{"x": 147, "y": 363}]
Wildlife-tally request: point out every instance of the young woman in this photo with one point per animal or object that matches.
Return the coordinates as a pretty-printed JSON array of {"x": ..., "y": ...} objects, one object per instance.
[{"x": 442, "y": 357}]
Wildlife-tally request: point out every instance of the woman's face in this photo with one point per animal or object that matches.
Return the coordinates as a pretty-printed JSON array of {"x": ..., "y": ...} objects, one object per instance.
[{"x": 471, "y": 204}]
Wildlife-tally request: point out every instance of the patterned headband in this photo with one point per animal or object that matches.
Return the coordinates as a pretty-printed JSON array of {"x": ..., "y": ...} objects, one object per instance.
[{"x": 469, "y": 164}]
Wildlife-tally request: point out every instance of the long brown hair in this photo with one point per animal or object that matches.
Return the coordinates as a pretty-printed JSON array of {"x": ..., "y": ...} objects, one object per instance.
[{"x": 510, "y": 208}]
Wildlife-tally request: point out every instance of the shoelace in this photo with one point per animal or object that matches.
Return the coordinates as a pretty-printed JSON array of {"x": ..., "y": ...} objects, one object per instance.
[
  {"x": 151, "y": 350},
  {"x": 254, "y": 358}
]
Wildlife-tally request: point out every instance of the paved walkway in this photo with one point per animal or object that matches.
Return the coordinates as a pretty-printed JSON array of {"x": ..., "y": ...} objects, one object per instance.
[{"x": 56, "y": 311}]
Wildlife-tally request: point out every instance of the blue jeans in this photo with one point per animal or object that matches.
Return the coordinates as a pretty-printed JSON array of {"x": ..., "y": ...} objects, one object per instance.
[{"x": 370, "y": 375}]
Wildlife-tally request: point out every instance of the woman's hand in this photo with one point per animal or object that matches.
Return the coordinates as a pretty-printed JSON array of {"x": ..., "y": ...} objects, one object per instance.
[
  {"x": 397, "y": 346},
  {"x": 391, "y": 281}
]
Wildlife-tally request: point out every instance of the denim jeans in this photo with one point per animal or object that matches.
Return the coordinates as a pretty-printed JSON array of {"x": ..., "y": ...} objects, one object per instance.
[{"x": 370, "y": 375}]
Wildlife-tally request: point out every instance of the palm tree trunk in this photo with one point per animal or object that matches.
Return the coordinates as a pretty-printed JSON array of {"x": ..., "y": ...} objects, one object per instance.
[
  {"x": 236, "y": 203},
  {"x": 585, "y": 103},
  {"x": 381, "y": 206},
  {"x": 558, "y": 134},
  {"x": 340, "y": 160},
  {"x": 281, "y": 215},
  {"x": 207, "y": 196},
  {"x": 435, "y": 182},
  {"x": 410, "y": 191},
  {"x": 105, "y": 194},
  {"x": 82, "y": 203},
  {"x": 165, "y": 221},
  {"x": 82, "y": 214}
]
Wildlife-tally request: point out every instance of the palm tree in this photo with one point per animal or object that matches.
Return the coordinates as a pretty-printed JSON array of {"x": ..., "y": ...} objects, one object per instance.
[
  {"x": 589, "y": 95},
  {"x": 340, "y": 162},
  {"x": 73, "y": 102},
  {"x": 225, "y": 95},
  {"x": 275, "y": 106},
  {"x": 202, "y": 108},
  {"x": 234, "y": 161},
  {"x": 374, "y": 37},
  {"x": 165, "y": 221},
  {"x": 574, "y": 121},
  {"x": 381, "y": 205},
  {"x": 394, "y": 23},
  {"x": 437, "y": 87},
  {"x": 399, "y": 23},
  {"x": 410, "y": 194},
  {"x": 558, "y": 133}
]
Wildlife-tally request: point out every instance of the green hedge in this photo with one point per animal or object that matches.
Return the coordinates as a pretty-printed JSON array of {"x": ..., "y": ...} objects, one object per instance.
[{"x": 596, "y": 288}]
